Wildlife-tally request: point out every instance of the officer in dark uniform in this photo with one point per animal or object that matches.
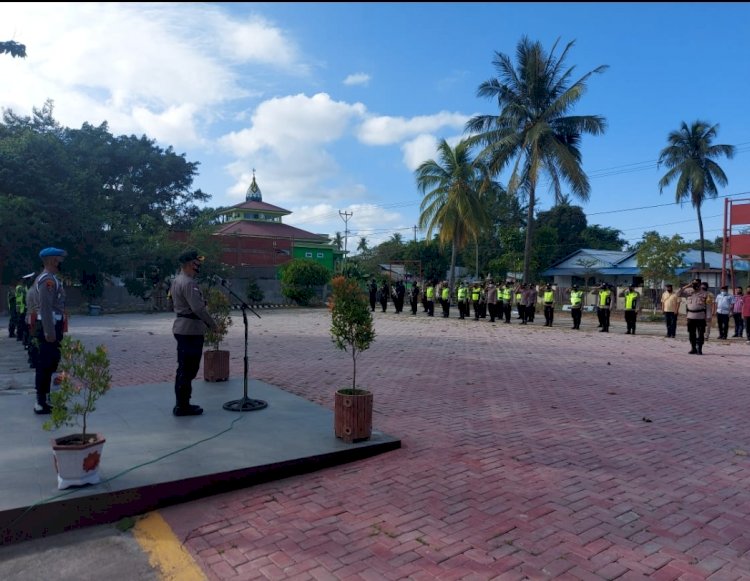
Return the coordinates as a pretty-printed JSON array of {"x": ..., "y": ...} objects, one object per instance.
[
  {"x": 373, "y": 288},
  {"x": 189, "y": 329},
  {"x": 414, "y": 297},
  {"x": 13, "y": 321},
  {"x": 384, "y": 292},
  {"x": 49, "y": 324}
]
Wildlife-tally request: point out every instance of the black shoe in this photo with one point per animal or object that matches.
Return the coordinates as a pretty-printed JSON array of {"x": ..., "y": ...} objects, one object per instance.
[
  {"x": 693, "y": 351},
  {"x": 42, "y": 409},
  {"x": 188, "y": 410},
  {"x": 700, "y": 349}
]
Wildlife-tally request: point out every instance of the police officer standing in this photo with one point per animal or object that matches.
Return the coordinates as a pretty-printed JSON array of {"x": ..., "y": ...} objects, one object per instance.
[
  {"x": 373, "y": 288},
  {"x": 549, "y": 305},
  {"x": 576, "y": 304},
  {"x": 189, "y": 327},
  {"x": 603, "y": 305},
  {"x": 696, "y": 314},
  {"x": 632, "y": 306},
  {"x": 414, "y": 297},
  {"x": 13, "y": 321},
  {"x": 49, "y": 325}
]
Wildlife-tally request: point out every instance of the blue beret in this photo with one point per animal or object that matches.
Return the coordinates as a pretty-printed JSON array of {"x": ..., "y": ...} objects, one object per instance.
[{"x": 51, "y": 251}]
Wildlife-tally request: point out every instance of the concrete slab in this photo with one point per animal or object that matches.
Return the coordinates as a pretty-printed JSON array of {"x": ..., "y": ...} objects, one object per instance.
[{"x": 152, "y": 459}]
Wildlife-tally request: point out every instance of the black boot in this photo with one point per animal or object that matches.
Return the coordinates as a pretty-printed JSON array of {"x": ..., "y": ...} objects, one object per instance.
[{"x": 187, "y": 410}]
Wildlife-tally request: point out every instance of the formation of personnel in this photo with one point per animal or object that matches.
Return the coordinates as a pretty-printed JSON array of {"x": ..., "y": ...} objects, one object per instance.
[
  {"x": 496, "y": 301},
  {"x": 22, "y": 308}
]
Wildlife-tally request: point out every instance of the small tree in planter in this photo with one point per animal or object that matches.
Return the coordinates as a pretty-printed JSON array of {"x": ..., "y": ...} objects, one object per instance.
[
  {"x": 352, "y": 330},
  {"x": 85, "y": 377},
  {"x": 215, "y": 360}
]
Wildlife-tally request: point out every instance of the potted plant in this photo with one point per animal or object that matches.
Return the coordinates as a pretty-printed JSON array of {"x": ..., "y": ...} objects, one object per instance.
[
  {"x": 352, "y": 330},
  {"x": 215, "y": 360},
  {"x": 84, "y": 378}
]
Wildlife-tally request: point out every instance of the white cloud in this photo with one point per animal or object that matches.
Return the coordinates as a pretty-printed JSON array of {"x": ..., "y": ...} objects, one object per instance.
[
  {"x": 419, "y": 150},
  {"x": 387, "y": 130},
  {"x": 160, "y": 69},
  {"x": 367, "y": 220},
  {"x": 357, "y": 79},
  {"x": 286, "y": 138}
]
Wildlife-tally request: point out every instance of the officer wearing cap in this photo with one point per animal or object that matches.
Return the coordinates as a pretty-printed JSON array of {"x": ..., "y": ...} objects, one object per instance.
[
  {"x": 696, "y": 298},
  {"x": 576, "y": 304},
  {"x": 189, "y": 328},
  {"x": 49, "y": 326}
]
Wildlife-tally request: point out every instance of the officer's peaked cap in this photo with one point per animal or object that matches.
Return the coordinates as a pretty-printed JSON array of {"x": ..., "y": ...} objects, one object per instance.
[
  {"x": 30, "y": 275},
  {"x": 51, "y": 251},
  {"x": 189, "y": 255}
]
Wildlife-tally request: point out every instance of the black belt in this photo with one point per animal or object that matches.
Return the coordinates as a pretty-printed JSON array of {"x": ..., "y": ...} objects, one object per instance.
[
  {"x": 189, "y": 316},
  {"x": 698, "y": 311}
]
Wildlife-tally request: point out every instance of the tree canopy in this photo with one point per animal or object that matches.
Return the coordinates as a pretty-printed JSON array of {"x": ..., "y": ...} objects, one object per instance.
[{"x": 109, "y": 200}]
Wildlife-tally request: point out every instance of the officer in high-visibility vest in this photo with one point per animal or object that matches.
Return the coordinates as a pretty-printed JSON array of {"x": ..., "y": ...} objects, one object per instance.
[
  {"x": 576, "y": 305},
  {"x": 507, "y": 300},
  {"x": 603, "y": 304},
  {"x": 13, "y": 321},
  {"x": 429, "y": 293},
  {"x": 632, "y": 306},
  {"x": 548, "y": 298},
  {"x": 445, "y": 299},
  {"x": 21, "y": 311},
  {"x": 463, "y": 295},
  {"x": 476, "y": 295}
]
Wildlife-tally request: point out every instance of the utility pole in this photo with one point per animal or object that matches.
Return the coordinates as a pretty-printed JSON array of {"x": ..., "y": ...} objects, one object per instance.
[
  {"x": 415, "y": 232},
  {"x": 345, "y": 217}
]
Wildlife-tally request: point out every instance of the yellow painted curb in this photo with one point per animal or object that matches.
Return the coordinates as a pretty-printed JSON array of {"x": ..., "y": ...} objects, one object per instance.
[{"x": 165, "y": 550}]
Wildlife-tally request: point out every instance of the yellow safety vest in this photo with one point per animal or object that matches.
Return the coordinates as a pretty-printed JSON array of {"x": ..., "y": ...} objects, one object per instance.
[
  {"x": 630, "y": 299},
  {"x": 446, "y": 293},
  {"x": 576, "y": 297},
  {"x": 430, "y": 292},
  {"x": 475, "y": 294},
  {"x": 549, "y": 296},
  {"x": 461, "y": 293},
  {"x": 603, "y": 296}
]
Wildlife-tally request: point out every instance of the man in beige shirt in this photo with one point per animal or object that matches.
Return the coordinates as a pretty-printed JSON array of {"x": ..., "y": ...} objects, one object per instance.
[{"x": 670, "y": 306}]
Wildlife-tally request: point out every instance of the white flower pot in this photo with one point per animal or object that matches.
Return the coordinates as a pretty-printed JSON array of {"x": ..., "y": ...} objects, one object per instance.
[{"x": 77, "y": 464}]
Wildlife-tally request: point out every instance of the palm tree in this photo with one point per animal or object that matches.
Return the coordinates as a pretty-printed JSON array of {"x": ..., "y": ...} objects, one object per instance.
[
  {"x": 534, "y": 126},
  {"x": 397, "y": 238},
  {"x": 338, "y": 241},
  {"x": 452, "y": 202},
  {"x": 363, "y": 247},
  {"x": 690, "y": 158}
]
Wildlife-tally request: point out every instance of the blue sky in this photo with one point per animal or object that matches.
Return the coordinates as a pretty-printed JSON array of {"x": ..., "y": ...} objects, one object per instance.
[{"x": 335, "y": 105}]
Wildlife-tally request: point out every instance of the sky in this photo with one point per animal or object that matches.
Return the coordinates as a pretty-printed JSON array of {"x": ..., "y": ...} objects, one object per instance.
[{"x": 335, "y": 105}]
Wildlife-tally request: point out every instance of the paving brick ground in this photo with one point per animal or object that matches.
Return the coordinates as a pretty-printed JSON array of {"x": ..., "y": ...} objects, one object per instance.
[{"x": 528, "y": 453}]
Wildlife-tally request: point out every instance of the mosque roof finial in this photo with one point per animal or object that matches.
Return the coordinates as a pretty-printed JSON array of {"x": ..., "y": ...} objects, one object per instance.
[{"x": 253, "y": 192}]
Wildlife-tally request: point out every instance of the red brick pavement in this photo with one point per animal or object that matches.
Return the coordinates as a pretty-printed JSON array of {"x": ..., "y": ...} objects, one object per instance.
[{"x": 528, "y": 453}]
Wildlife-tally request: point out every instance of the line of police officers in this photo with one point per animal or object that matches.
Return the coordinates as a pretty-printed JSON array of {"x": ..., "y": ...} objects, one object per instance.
[
  {"x": 37, "y": 320},
  {"x": 497, "y": 300}
]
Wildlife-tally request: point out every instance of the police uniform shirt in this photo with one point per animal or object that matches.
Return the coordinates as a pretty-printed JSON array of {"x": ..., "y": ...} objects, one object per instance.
[
  {"x": 695, "y": 302},
  {"x": 51, "y": 301},
  {"x": 192, "y": 316}
]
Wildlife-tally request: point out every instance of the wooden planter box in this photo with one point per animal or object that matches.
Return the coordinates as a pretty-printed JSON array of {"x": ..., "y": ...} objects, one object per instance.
[
  {"x": 353, "y": 416},
  {"x": 216, "y": 365}
]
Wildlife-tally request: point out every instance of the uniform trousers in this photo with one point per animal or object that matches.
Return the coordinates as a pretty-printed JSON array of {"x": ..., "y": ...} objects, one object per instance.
[
  {"x": 671, "y": 320},
  {"x": 696, "y": 332},
  {"x": 549, "y": 314},
  {"x": 630, "y": 318},
  {"x": 722, "y": 320},
  {"x": 189, "y": 353},
  {"x": 47, "y": 361},
  {"x": 576, "y": 314},
  {"x": 603, "y": 315}
]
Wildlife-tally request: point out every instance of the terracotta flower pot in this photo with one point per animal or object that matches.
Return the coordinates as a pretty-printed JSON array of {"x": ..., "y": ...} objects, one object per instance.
[
  {"x": 216, "y": 365},
  {"x": 353, "y": 415},
  {"x": 77, "y": 464}
]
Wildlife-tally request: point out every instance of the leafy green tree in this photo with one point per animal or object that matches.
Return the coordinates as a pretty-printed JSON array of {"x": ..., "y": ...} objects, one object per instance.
[
  {"x": 363, "y": 246},
  {"x": 689, "y": 158},
  {"x": 534, "y": 129},
  {"x": 602, "y": 238},
  {"x": 300, "y": 277},
  {"x": 109, "y": 200},
  {"x": 569, "y": 222},
  {"x": 451, "y": 203},
  {"x": 351, "y": 321},
  {"x": 338, "y": 241},
  {"x": 253, "y": 292},
  {"x": 659, "y": 257}
]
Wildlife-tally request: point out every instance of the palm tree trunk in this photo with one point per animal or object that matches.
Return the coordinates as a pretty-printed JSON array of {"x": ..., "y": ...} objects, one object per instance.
[
  {"x": 703, "y": 242},
  {"x": 476, "y": 256},
  {"x": 453, "y": 267},
  {"x": 529, "y": 235}
]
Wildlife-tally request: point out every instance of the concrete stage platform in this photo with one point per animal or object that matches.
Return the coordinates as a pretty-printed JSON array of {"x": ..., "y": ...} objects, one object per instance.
[{"x": 152, "y": 459}]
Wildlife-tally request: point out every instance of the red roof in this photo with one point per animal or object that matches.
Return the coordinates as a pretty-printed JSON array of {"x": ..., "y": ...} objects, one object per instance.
[
  {"x": 254, "y": 205},
  {"x": 267, "y": 230}
]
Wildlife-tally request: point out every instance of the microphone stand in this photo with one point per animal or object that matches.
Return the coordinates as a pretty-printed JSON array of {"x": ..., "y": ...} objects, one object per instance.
[{"x": 245, "y": 404}]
